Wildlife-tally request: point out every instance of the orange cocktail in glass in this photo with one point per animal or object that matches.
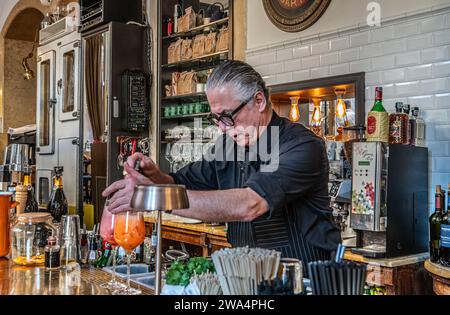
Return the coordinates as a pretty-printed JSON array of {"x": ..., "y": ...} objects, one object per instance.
[{"x": 129, "y": 232}]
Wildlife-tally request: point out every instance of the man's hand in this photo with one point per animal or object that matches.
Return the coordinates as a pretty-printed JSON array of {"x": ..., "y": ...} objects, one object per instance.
[
  {"x": 121, "y": 192},
  {"x": 149, "y": 169}
]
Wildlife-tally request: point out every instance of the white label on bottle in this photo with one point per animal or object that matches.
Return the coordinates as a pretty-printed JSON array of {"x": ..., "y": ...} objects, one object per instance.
[{"x": 92, "y": 255}]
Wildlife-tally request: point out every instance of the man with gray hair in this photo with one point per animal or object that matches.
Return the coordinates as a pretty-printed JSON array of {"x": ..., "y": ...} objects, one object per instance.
[{"x": 286, "y": 207}]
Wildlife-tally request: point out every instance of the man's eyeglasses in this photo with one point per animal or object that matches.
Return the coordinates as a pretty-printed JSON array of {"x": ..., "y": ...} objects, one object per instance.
[{"x": 227, "y": 119}]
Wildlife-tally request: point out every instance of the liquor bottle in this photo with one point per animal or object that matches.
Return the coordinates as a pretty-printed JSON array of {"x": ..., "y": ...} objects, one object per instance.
[
  {"x": 84, "y": 246},
  {"x": 104, "y": 258},
  {"x": 378, "y": 120},
  {"x": 398, "y": 126},
  {"x": 31, "y": 204},
  {"x": 58, "y": 202},
  {"x": 169, "y": 27},
  {"x": 445, "y": 234},
  {"x": 435, "y": 226},
  {"x": 92, "y": 255},
  {"x": 52, "y": 251},
  {"x": 417, "y": 128},
  {"x": 407, "y": 111}
]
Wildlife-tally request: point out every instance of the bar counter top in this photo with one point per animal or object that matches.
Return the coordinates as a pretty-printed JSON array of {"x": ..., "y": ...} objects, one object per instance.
[
  {"x": 177, "y": 222},
  {"x": 387, "y": 262},
  {"x": 19, "y": 280}
]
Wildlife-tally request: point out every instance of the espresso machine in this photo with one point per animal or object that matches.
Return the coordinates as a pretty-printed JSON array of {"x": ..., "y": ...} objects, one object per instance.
[
  {"x": 339, "y": 188},
  {"x": 389, "y": 209}
]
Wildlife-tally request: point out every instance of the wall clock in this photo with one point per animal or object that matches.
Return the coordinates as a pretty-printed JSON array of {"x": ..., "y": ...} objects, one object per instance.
[{"x": 294, "y": 15}]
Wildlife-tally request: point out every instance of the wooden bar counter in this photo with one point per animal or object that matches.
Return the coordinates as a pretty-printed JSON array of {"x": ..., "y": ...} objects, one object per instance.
[
  {"x": 19, "y": 280},
  {"x": 208, "y": 237}
]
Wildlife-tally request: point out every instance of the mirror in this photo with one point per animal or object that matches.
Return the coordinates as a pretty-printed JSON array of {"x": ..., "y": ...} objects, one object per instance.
[{"x": 326, "y": 106}]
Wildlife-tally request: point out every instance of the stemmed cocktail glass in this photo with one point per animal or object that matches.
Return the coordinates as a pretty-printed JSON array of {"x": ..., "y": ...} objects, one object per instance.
[{"x": 129, "y": 233}]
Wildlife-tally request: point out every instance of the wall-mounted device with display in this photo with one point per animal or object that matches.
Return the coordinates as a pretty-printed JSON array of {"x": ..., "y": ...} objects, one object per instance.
[{"x": 134, "y": 101}]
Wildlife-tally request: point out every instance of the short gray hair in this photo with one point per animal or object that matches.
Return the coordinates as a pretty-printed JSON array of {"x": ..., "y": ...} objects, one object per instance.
[{"x": 245, "y": 80}]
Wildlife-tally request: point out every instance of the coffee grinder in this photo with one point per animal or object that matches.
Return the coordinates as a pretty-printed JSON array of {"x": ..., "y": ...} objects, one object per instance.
[{"x": 389, "y": 199}]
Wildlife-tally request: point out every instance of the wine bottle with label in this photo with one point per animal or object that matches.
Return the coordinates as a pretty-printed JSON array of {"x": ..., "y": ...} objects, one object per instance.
[
  {"x": 58, "y": 202},
  {"x": 435, "y": 226},
  {"x": 445, "y": 234},
  {"x": 378, "y": 120}
]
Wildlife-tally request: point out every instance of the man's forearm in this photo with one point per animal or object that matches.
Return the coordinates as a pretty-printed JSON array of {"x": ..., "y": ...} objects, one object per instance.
[{"x": 224, "y": 206}]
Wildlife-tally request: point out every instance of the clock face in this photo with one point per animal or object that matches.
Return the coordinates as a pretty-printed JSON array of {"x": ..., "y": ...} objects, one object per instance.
[{"x": 294, "y": 15}]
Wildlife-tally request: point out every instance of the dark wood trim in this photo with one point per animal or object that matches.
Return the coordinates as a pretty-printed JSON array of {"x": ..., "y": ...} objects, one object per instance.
[{"x": 358, "y": 79}]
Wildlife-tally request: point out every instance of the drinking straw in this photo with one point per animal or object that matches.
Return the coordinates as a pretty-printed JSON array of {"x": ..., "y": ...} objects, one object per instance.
[
  {"x": 316, "y": 278},
  {"x": 323, "y": 280},
  {"x": 333, "y": 279},
  {"x": 354, "y": 280},
  {"x": 341, "y": 280},
  {"x": 358, "y": 280},
  {"x": 328, "y": 277},
  {"x": 349, "y": 281},
  {"x": 311, "y": 278}
]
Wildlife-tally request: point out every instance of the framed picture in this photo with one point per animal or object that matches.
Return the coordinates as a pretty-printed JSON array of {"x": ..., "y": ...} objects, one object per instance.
[{"x": 294, "y": 15}]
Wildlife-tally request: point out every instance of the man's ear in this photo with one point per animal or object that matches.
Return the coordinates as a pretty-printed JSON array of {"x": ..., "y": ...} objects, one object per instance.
[{"x": 261, "y": 102}]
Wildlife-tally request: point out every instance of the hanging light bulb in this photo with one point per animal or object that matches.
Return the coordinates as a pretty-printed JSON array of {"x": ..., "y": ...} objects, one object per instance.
[
  {"x": 294, "y": 113},
  {"x": 341, "y": 107},
  {"x": 317, "y": 114},
  {"x": 316, "y": 119}
]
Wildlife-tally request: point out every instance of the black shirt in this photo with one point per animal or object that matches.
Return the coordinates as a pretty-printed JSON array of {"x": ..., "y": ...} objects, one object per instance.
[{"x": 299, "y": 222}]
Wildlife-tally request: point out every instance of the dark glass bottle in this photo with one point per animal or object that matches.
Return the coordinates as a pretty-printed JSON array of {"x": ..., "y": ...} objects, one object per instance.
[
  {"x": 52, "y": 251},
  {"x": 435, "y": 226},
  {"x": 58, "y": 202},
  {"x": 445, "y": 234},
  {"x": 31, "y": 205}
]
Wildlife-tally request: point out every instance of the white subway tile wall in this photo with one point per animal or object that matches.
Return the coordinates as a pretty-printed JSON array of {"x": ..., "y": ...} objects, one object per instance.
[{"x": 410, "y": 58}]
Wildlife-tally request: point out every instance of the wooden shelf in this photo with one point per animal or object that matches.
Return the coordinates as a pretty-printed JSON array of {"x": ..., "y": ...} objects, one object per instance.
[
  {"x": 197, "y": 30},
  {"x": 192, "y": 61},
  {"x": 204, "y": 141},
  {"x": 186, "y": 116},
  {"x": 185, "y": 97}
]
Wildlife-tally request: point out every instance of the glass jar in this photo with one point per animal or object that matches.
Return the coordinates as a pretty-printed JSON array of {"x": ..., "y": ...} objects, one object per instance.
[{"x": 29, "y": 236}]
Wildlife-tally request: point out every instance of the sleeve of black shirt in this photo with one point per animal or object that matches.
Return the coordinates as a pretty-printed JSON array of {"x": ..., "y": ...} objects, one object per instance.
[
  {"x": 199, "y": 175},
  {"x": 298, "y": 172}
]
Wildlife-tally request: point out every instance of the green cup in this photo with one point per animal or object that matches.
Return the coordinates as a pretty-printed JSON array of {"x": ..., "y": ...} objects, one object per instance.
[
  {"x": 198, "y": 108},
  {"x": 191, "y": 110},
  {"x": 185, "y": 109},
  {"x": 167, "y": 111},
  {"x": 173, "y": 111},
  {"x": 179, "y": 110}
]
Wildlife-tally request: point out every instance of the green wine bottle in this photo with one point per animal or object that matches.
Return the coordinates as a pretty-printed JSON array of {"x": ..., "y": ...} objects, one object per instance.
[{"x": 435, "y": 226}]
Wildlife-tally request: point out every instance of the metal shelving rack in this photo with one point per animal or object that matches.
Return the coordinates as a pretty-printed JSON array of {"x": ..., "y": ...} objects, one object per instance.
[{"x": 165, "y": 11}]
